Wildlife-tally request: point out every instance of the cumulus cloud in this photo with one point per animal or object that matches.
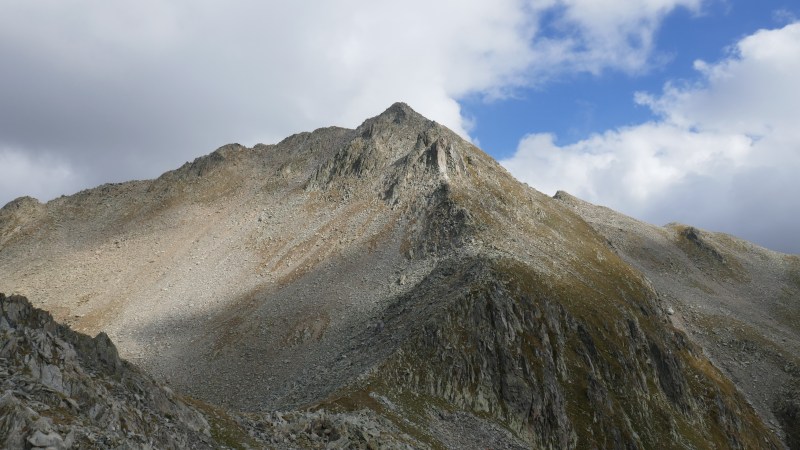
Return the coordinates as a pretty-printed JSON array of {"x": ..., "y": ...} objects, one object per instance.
[
  {"x": 723, "y": 154},
  {"x": 121, "y": 90},
  {"x": 592, "y": 35}
]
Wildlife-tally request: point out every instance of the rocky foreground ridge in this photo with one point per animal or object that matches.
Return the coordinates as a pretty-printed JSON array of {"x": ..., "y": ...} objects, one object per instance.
[
  {"x": 397, "y": 282},
  {"x": 62, "y": 390}
]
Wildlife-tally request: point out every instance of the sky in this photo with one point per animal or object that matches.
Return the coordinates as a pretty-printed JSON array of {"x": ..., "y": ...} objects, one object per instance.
[{"x": 665, "y": 110}]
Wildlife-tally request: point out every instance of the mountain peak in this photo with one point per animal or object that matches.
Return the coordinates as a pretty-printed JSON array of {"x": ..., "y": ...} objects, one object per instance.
[
  {"x": 394, "y": 148},
  {"x": 399, "y": 111},
  {"x": 399, "y": 114}
]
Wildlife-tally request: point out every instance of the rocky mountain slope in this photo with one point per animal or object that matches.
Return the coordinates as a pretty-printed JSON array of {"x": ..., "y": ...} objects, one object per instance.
[
  {"x": 740, "y": 302},
  {"x": 398, "y": 272}
]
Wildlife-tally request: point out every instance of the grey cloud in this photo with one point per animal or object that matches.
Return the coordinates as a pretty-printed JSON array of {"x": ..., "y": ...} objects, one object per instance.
[{"x": 755, "y": 205}]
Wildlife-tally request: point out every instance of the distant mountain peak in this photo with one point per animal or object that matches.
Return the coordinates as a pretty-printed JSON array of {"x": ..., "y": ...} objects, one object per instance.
[
  {"x": 400, "y": 111},
  {"x": 398, "y": 115}
]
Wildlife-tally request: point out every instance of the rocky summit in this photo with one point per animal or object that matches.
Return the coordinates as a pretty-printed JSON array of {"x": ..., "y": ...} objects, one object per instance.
[{"x": 390, "y": 286}]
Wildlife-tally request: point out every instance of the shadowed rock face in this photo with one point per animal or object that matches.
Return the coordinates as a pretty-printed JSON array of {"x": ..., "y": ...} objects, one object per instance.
[
  {"x": 511, "y": 347},
  {"x": 393, "y": 272}
]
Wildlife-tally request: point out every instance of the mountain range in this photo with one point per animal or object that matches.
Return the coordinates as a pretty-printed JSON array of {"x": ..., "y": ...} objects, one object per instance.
[{"x": 390, "y": 286}]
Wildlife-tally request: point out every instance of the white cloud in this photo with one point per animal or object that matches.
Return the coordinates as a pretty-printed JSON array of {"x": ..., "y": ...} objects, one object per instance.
[
  {"x": 614, "y": 33},
  {"x": 723, "y": 154}
]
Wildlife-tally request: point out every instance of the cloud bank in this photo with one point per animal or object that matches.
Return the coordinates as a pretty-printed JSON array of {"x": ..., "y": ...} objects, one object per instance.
[
  {"x": 96, "y": 91},
  {"x": 724, "y": 152}
]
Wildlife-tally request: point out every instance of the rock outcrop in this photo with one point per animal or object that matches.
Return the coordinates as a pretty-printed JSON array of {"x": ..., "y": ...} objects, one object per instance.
[{"x": 62, "y": 389}]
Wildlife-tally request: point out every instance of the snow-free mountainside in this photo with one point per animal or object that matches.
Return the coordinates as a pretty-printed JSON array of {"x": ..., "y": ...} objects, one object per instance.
[{"x": 390, "y": 286}]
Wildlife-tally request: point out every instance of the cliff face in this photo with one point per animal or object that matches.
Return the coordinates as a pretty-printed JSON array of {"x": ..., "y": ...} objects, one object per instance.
[
  {"x": 394, "y": 271},
  {"x": 557, "y": 365}
]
